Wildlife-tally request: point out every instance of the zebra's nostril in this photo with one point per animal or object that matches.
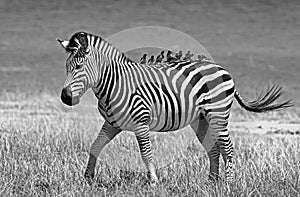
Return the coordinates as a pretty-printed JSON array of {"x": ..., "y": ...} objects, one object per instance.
[{"x": 67, "y": 92}]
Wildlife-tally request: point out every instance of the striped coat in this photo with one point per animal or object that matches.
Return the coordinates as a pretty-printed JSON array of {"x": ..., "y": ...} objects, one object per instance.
[{"x": 162, "y": 97}]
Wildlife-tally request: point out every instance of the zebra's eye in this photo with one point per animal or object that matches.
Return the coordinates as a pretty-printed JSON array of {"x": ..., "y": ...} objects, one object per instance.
[{"x": 78, "y": 66}]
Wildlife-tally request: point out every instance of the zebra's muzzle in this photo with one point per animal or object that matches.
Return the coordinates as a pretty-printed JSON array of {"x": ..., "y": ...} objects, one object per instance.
[{"x": 66, "y": 97}]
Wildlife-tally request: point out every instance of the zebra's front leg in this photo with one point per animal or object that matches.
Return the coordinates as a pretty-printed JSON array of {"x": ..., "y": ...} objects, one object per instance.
[
  {"x": 106, "y": 134},
  {"x": 143, "y": 138}
]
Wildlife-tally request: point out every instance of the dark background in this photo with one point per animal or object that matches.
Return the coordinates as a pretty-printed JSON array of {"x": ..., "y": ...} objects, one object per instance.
[{"x": 257, "y": 41}]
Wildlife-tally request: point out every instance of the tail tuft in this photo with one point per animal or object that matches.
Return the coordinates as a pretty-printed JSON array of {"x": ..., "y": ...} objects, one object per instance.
[{"x": 264, "y": 102}]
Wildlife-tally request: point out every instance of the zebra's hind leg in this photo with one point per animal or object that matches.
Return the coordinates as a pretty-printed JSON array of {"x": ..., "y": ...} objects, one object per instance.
[
  {"x": 208, "y": 139},
  {"x": 143, "y": 138},
  {"x": 106, "y": 134},
  {"x": 226, "y": 148},
  {"x": 218, "y": 121}
]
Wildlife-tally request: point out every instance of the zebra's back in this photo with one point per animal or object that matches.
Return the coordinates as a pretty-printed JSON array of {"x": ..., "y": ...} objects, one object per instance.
[{"x": 169, "y": 96}]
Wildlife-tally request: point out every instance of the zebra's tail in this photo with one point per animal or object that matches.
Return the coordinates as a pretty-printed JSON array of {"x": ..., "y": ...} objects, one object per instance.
[{"x": 264, "y": 102}]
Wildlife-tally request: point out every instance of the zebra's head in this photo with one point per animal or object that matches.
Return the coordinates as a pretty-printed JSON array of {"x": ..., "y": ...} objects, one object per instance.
[{"x": 81, "y": 69}]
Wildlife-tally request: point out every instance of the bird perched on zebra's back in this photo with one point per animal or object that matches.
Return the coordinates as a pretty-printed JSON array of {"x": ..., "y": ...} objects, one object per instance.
[
  {"x": 188, "y": 56},
  {"x": 200, "y": 57},
  {"x": 178, "y": 55},
  {"x": 170, "y": 58},
  {"x": 151, "y": 60},
  {"x": 143, "y": 59},
  {"x": 203, "y": 58},
  {"x": 160, "y": 57}
]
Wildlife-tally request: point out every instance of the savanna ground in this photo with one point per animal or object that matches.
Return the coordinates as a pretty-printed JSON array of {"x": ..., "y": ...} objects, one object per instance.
[{"x": 44, "y": 145}]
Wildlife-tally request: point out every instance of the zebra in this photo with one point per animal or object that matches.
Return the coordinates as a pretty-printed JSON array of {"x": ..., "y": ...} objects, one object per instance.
[{"x": 143, "y": 98}]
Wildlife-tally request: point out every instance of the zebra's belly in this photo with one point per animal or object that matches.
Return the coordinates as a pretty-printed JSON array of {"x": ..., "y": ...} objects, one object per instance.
[
  {"x": 160, "y": 120},
  {"x": 163, "y": 120}
]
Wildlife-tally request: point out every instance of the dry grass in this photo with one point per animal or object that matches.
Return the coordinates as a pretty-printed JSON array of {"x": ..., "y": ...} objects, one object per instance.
[{"x": 44, "y": 148}]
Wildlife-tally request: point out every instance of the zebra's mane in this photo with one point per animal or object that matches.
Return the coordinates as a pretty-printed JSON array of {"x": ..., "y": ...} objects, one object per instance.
[
  {"x": 79, "y": 42},
  {"x": 119, "y": 55}
]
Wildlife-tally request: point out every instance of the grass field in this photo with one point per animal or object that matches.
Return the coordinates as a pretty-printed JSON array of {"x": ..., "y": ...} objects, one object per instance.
[
  {"x": 44, "y": 145},
  {"x": 44, "y": 148}
]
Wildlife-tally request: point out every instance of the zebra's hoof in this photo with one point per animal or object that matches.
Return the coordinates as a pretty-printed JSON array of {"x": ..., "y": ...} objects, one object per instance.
[
  {"x": 229, "y": 180},
  {"x": 153, "y": 179},
  {"x": 153, "y": 183},
  {"x": 213, "y": 179},
  {"x": 89, "y": 177}
]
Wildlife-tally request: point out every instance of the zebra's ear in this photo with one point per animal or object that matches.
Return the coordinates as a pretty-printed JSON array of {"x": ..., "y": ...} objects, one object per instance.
[
  {"x": 63, "y": 43},
  {"x": 82, "y": 41}
]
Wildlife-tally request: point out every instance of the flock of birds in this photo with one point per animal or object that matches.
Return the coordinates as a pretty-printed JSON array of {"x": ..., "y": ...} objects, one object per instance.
[{"x": 171, "y": 57}]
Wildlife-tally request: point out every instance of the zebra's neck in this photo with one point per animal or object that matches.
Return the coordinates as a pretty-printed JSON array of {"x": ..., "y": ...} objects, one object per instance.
[{"x": 112, "y": 63}]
